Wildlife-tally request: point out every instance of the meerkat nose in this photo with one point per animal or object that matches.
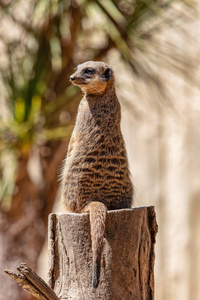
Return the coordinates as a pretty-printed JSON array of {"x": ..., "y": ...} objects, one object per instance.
[{"x": 72, "y": 77}]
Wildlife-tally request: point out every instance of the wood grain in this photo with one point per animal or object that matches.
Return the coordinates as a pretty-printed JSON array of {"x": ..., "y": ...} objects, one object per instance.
[
  {"x": 127, "y": 264},
  {"x": 31, "y": 282}
]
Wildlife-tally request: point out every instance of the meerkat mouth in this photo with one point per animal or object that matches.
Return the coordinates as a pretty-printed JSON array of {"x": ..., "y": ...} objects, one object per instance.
[
  {"x": 80, "y": 83},
  {"x": 77, "y": 81}
]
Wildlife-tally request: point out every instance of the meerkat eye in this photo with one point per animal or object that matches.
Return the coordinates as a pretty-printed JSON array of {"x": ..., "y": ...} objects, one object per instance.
[{"x": 89, "y": 71}]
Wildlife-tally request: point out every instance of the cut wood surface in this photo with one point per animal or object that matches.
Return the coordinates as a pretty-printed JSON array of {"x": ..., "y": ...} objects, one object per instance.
[{"x": 127, "y": 264}]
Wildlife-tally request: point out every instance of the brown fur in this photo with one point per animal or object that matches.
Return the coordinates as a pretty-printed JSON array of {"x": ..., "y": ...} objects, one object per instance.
[{"x": 96, "y": 176}]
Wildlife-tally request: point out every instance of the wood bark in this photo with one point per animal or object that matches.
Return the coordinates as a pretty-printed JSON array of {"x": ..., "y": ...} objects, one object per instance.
[
  {"x": 31, "y": 282},
  {"x": 127, "y": 264}
]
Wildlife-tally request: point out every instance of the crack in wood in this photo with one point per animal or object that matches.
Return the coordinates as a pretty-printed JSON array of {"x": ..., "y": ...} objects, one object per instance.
[
  {"x": 127, "y": 258},
  {"x": 31, "y": 282}
]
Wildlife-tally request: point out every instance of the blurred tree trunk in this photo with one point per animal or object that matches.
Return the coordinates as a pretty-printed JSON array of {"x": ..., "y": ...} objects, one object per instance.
[{"x": 23, "y": 227}]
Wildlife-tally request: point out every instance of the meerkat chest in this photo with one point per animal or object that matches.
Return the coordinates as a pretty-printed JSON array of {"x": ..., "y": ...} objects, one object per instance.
[{"x": 96, "y": 146}]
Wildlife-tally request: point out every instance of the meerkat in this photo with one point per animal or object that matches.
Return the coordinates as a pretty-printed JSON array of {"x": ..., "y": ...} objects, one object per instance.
[{"x": 96, "y": 176}]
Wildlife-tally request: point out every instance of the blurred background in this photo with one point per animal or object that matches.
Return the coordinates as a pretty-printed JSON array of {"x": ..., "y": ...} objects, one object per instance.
[{"x": 153, "y": 47}]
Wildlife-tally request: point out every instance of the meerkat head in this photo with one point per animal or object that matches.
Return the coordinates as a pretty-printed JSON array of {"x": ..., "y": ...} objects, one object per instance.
[{"x": 93, "y": 77}]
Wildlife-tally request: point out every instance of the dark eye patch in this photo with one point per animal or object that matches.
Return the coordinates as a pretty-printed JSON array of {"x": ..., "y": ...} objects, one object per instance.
[{"x": 89, "y": 71}]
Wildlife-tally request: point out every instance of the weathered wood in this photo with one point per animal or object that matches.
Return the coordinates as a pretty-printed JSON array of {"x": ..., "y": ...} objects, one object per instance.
[
  {"x": 127, "y": 262},
  {"x": 31, "y": 282}
]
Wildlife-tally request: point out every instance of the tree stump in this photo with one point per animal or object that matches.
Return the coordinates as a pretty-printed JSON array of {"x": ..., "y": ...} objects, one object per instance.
[{"x": 127, "y": 263}]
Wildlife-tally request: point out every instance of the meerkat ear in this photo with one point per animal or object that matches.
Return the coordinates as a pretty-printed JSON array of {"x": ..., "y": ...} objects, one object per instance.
[{"x": 107, "y": 74}]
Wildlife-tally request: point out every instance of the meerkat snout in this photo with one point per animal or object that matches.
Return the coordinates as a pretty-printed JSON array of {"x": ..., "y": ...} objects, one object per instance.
[{"x": 72, "y": 78}]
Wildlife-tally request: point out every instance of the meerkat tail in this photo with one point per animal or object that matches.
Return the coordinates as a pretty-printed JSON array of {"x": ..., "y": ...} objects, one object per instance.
[{"x": 97, "y": 212}]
